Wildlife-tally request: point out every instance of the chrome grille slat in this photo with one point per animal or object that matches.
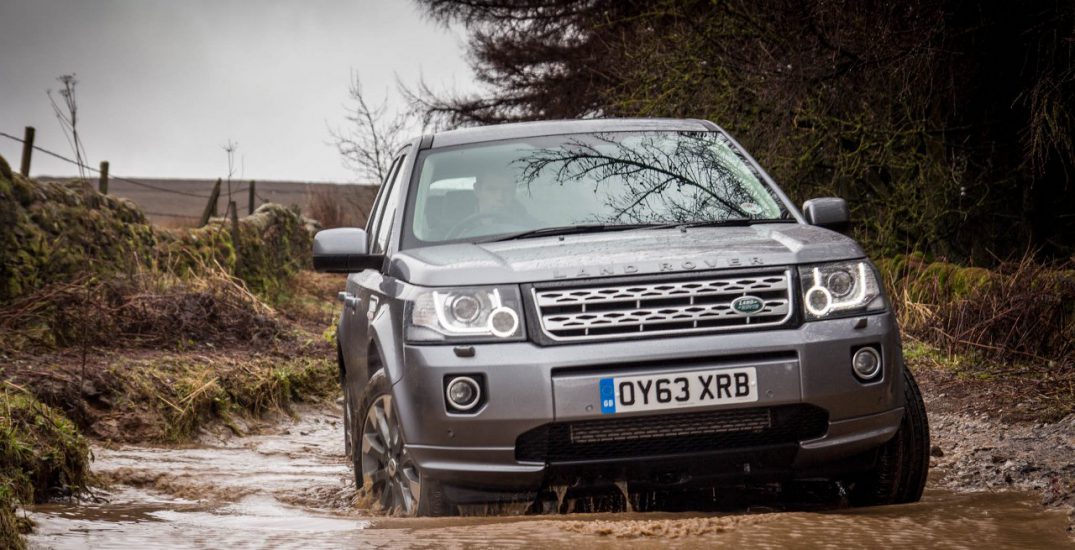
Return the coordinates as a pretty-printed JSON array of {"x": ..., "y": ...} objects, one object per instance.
[
  {"x": 677, "y": 306},
  {"x": 630, "y": 293}
]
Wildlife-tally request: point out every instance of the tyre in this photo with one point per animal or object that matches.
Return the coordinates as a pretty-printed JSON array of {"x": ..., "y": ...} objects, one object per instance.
[
  {"x": 352, "y": 427},
  {"x": 348, "y": 406},
  {"x": 382, "y": 463},
  {"x": 899, "y": 474}
]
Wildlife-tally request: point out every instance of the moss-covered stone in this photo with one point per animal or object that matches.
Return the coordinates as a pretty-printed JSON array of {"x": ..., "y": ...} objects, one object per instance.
[
  {"x": 929, "y": 281},
  {"x": 58, "y": 232},
  {"x": 5, "y": 169},
  {"x": 274, "y": 245},
  {"x": 62, "y": 232}
]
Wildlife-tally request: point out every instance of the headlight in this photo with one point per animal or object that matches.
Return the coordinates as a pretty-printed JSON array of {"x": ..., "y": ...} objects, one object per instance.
[
  {"x": 465, "y": 314},
  {"x": 844, "y": 288}
]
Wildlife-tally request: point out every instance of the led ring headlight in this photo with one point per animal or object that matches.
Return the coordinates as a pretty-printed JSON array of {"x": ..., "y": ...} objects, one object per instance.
[
  {"x": 826, "y": 296},
  {"x": 840, "y": 288},
  {"x": 464, "y": 314},
  {"x": 503, "y": 322}
]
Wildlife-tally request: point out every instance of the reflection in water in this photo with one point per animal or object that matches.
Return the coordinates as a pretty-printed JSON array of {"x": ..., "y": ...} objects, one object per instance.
[
  {"x": 941, "y": 520},
  {"x": 289, "y": 490}
]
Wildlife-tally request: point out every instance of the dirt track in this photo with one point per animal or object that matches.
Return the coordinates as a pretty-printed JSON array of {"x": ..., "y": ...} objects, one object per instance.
[{"x": 290, "y": 487}]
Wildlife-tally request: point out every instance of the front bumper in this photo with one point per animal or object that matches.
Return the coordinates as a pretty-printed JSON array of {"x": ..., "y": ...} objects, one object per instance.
[{"x": 528, "y": 386}]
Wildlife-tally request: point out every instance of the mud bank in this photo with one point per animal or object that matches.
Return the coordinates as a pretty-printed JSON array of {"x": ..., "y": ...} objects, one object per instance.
[{"x": 975, "y": 453}]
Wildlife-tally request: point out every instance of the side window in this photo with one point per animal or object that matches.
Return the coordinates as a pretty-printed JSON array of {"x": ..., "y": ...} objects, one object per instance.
[
  {"x": 388, "y": 211},
  {"x": 373, "y": 223}
]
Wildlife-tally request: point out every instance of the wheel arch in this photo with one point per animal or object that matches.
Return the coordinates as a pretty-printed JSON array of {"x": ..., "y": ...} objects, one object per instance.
[{"x": 385, "y": 349}]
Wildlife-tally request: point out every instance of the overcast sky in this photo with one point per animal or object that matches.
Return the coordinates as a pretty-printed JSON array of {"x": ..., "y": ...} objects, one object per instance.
[{"x": 162, "y": 85}]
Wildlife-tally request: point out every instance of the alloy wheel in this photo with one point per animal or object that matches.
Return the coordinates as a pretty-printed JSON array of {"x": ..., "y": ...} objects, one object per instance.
[{"x": 388, "y": 471}]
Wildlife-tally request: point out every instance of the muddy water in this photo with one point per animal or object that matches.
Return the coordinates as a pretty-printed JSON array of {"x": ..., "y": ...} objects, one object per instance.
[{"x": 290, "y": 489}]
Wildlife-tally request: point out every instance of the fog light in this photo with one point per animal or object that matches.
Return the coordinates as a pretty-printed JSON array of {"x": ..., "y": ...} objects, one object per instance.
[
  {"x": 463, "y": 393},
  {"x": 866, "y": 363}
]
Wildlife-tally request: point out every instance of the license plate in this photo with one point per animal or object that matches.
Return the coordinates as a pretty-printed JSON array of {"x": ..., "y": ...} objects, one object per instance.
[{"x": 678, "y": 390}]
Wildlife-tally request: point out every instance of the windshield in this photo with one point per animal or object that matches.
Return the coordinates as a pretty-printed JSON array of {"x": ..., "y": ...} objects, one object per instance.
[{"x": 483, "y": 191}]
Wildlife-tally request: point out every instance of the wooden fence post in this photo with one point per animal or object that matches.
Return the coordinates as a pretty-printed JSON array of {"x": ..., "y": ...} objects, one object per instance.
[
  {"x": 210, "y": 207},
  {"x": 233, "y": 213},
  {"x": 250, "y": 206},
  {"x": 102, "y": 184},
  {"x": 27, "y": 151}
]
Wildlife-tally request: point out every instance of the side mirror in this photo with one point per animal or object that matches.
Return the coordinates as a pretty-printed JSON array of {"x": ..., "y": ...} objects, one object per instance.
[
  {"x": 343, "y": 250},
  {"x": 827, "y": 212}
]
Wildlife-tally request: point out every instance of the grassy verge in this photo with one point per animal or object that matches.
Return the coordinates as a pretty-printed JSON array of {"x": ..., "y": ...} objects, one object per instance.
[
  {"x": 211, "y": 354},
  {"x": 123, "y": 331},
  {"x": 999, "y": 340},
  {"x": 168, "y": 397},
  {"x": 41, "y": 451},
  {"x": 160, "y": 356}
]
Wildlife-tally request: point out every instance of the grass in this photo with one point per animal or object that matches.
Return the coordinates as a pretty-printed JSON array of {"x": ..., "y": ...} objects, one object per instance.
[
  {"x": 1021, "y": 312},
  {"x": 1001, "y": 339},
  {"x": 125, "y": 331},
  {"x": 971, "y": 380},
  {"x": 137, "y": 392},
  {"x": 41, "y": 451},
  {"x": 163, "y": 357},
  {"x": 175, "y": 395}
]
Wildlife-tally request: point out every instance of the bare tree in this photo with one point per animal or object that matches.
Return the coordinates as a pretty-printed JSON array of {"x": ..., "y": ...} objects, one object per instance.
[
  {"x": 371, "y": 135},
  {"x": 68, "y": 118}
]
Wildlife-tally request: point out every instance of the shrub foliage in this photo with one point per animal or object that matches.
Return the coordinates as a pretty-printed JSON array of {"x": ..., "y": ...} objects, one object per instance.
[{"x": 947, "y": 125}]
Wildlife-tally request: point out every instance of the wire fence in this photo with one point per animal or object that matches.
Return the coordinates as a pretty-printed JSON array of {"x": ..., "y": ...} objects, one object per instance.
[
  {"x": 118, "y": 178},
  {"x": 130, "y": 180}
]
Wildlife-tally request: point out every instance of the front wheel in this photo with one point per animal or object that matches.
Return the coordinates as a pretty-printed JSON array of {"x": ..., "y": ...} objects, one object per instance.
[
  {"x": 899, "y": 475},
  {"x": 383, "y": 465}
]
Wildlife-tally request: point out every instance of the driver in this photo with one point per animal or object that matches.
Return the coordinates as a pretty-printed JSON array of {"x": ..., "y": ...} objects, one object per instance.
[{"x": 495, "y": 194}]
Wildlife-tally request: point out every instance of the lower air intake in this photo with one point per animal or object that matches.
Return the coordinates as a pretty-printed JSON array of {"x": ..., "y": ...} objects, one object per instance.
[{"x": 670, "y": 434}]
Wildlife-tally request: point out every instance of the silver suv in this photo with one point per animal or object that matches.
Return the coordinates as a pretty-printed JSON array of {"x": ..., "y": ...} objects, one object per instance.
[{"x": 597, "y": 302}]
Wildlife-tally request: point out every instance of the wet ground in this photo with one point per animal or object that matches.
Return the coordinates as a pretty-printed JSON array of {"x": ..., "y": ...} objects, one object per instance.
[{"x": 290, "y": 489}]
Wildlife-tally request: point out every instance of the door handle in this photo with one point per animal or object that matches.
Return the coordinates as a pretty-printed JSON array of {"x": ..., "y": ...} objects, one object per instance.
[{"x": 372, "y": 311}]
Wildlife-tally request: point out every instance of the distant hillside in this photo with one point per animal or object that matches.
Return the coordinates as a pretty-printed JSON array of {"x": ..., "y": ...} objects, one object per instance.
[{"x": 166, "y": 208}]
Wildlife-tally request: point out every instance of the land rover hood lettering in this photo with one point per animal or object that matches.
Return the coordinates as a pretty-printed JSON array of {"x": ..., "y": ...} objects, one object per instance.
[{"x": 619, "y": 254}]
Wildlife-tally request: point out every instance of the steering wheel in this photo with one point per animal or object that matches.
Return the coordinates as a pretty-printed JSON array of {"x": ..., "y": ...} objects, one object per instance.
[{"x": 472, "y": 221}]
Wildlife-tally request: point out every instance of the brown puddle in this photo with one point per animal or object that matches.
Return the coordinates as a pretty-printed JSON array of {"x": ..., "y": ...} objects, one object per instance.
[{"x": 291, "y": 490}]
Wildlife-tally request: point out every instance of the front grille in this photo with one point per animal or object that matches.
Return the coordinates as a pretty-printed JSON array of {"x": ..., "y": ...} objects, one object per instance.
[
  {"x": 670, "y": 434},
  {"x": 661, "y": 307}
]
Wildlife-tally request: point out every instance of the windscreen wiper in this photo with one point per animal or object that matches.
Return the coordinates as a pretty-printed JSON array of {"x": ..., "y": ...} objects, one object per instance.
[
  {"x": 731, "y": 222},
  {"x": 569, "y": 230}
]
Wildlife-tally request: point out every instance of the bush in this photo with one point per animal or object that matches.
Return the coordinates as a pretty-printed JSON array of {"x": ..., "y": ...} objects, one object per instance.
[{"x": 1020, "y": 312}]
